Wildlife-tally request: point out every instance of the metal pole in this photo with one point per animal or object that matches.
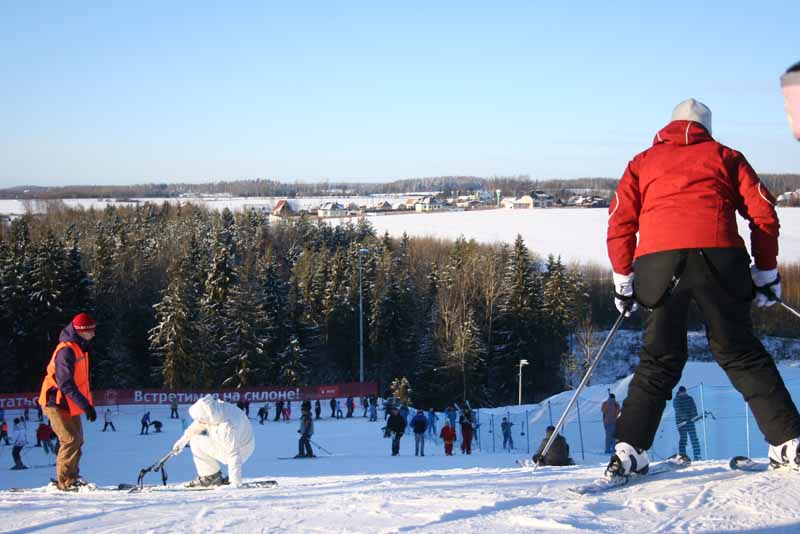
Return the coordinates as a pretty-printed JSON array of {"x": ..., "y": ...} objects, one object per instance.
[
  {"x": 360, "y": 324},
  {"x": 795, "y": 312},
  {"x": 747, "y": 426},
  {"x": 520, "y": 384},
  {"x": 580, "y": 430},
  {"x": 705, "y": 430},
  {"x": 583, "y": 383}
]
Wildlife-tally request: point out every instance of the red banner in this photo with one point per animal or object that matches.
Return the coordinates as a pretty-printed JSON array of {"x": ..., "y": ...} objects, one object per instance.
[{"x": 185, "y": 396}]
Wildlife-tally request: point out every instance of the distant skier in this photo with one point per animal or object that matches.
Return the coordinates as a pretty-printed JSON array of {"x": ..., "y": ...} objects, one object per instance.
[
  {"x": 419, "y": 424},
  {"x": 450, "y": 413},
  {"x": 685, "y": 415},
  {"x": 263, "y": 413},
  {"x": 610, "y": 409},
  {"x": 448, "y": 435},
  {"x": 465, "y": 421},
  {"x": 108, "y": 420},
  {"x": 681, "y": 196},
  {"x": 351, "y": 406},
  {"x": 278, "y": 410},
  {"x": 287, "y": 411},
  {"x": 44, "y": 436},
  {"x": 305, "y": 406},
  {"x": 65, "y": 395},
  {"x": 317, "y": 409},
  {"x": 145, "y": 424},
  {"x": 220, "y": 432},
  {"x": 373, "y": 411},
  {"x": 505, "y": 428},
  {"x": 365, "y": 405},
  {"x": 173, "y": 409},
  {"x": 395, "y": 428},
  {"x": 432, "y": 418},
  {"x": 20, "y": 440},
  {"x": 157, "y": 425},
  {"x": 306, "y": 430},
  {"x": 558, "y": 453},
  {"x": 4, "y": 432},
  {"x": 339, "y": 414},
  {"x": 332, "y": 404}
]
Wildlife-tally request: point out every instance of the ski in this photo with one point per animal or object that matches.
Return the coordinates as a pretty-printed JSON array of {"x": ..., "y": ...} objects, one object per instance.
[
  {"x": 133, "y": 488},
  {"x": 297, "y": 457},
  {"x": 604, "y": 485}
]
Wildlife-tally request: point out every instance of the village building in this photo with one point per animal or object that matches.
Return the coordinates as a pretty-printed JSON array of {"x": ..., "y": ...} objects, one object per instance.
[
  {"x": 428, "y": 204},
  {"x": 332, "y": 209}
]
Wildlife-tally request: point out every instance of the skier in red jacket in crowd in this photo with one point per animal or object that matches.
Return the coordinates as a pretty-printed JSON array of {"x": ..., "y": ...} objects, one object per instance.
[
  {"x": 681, "y": 197},
  {"x": 448, "y": 435}
]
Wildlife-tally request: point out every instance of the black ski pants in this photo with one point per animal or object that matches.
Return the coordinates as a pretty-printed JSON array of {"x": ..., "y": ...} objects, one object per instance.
[
  {"x": 718, "y": 280},
  {"x": 684, "y": 430}
]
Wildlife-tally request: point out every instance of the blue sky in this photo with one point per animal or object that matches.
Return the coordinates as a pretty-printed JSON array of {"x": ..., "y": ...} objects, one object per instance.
[{"x": 114, "y": 92}]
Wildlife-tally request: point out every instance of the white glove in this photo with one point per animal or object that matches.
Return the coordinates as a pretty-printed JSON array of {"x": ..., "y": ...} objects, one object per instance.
[
  {"x": 180, "y": 444},
  {"x": 766, "y": 282},
  {"x": 623, "y": 293}
]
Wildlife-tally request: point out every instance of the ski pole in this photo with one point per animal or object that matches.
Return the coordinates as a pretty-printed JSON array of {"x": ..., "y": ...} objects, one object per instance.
[
  {"x": 772, "y": 296},
  {"x": 320, "y": 447},
  {"x": 583, "y": 383}
]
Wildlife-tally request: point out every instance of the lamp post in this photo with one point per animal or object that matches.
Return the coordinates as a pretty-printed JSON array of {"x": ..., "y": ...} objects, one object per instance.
[
  {"x": 361, "y": 252},
  {"x": 522, "y": 363}
]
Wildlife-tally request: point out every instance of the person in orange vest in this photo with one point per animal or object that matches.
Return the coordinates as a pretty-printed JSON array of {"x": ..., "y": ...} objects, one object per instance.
[
  {"x": 448, "y": 435},
  {"x": 65, "y": 395}
]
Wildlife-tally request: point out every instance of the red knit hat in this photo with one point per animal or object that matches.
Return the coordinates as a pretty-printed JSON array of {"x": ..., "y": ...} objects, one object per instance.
[{"x": 84, "y": 322}]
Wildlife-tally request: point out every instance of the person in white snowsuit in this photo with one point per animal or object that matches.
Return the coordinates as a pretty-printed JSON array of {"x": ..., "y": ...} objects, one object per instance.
[
  {"x": 220, "y": 432},
  {"x": 20, "y": 441}
]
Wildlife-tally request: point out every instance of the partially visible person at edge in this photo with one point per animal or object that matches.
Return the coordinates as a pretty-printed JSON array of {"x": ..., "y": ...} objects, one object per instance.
[
  {"x": 66, "y": 394},
  {"x": 790, "y": 85},
  {"x": 681, "y": 196}
]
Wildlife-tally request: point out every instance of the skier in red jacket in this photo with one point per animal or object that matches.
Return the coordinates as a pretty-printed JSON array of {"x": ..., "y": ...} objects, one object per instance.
[
  {"x": 681, "y": 197},
  {"x": 448, "y": 435}
]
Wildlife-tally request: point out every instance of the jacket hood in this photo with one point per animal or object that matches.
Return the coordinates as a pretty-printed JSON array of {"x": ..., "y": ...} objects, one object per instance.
[
  {"x": 207, "y": 410},
  {"x": 68, "y": 333},
  {"x": 682, "y": 133}
]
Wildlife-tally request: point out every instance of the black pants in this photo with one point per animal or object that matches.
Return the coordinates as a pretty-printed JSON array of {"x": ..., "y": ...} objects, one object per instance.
[
  {"x": 145, "y": 428},
  {"x": 718, "y": 280},
  {"x": 305, "y": 447},
  {"x": 109, "y": 424},
  {"x": 683, "y": 430},
  {"x": 173, "y": 414},
  {"x": 396, "y": 443},
  {"x": 17, "y": 458}
]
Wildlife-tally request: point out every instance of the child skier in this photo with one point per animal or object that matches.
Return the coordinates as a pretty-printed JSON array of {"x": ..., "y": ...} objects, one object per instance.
[
  {"x": 448, "y": 435},
  {"x": 20, "y": 440}
]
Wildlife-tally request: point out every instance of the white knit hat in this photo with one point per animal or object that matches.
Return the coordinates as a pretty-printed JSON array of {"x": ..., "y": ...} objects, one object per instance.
[{"x": 692, "y": 110}]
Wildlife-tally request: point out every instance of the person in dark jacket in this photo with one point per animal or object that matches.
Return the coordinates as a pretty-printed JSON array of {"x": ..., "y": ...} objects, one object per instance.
[
  {"x": 466, "y": 424},
  {"x": 505, "y": 428},
  {"x": 673, "y": 239},
  {"x": 332, "y": 404},
  {"x": 173, "y": 409},
  {"x": 145, "y": 424},
  {"x": 610, "y": 409},
  {"x": 317, "y": 409},
  {"x": 65, "y": 395},
  {"x": 351, "y": 406},
  {"x": 306, "y": 430},
  {"x": 305, "y": 406},
  {"x": 558, "y": 453},
  {"x": 263, "y": 413},
  {"x": 278, "y": 410},
  {"x": 419, "y": 424},
  {"x": 685, "y": 416},
  {"x": 395, "y": 427}
]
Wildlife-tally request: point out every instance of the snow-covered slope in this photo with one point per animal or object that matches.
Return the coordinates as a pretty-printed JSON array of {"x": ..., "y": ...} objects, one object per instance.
[{"x": 362, "y": 489}]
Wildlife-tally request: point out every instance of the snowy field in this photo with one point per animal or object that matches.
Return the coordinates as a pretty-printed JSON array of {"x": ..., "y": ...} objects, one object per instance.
[
  {"x": 577, "y": 234},
  {"x": 361, "y": 489}
]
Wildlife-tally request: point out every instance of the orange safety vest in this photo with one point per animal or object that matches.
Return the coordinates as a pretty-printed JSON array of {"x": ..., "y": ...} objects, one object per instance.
[{"x": 80, "y": 375}]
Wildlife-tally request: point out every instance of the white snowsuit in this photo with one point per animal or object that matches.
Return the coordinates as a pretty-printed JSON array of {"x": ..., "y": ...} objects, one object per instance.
[{"x": 230, "y": 438}]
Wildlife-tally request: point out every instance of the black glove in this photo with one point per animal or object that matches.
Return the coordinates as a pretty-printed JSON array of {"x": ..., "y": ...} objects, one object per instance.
[
  {"x": 538, "y": 459},
  {"x": 91, "y": 415}
]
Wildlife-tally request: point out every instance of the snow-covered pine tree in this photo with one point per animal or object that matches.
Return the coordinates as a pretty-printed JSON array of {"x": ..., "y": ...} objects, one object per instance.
[{"x": 220, "y": 281}]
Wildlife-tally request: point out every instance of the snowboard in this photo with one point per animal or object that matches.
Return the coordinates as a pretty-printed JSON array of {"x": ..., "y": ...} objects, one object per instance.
[
  {"x": 744, "y": 463},
  {"x": 656, "y": 469},
  {"x": 133, "y": 488}
]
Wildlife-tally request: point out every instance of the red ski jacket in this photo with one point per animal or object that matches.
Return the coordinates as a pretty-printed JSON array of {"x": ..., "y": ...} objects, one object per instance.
[{"x": 684, "y": 192}]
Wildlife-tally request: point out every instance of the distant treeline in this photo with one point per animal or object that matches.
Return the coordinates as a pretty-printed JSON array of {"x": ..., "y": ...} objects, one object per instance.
[{"x": 508, "y": 185}]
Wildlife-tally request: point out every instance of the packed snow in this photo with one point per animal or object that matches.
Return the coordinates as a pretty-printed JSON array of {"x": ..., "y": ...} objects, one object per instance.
[{"x": 361, "y": 489}]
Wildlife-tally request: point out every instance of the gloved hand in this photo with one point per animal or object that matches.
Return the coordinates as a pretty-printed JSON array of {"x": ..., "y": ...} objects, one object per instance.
[
  {"x": 537, "y": 459},
  {"x": 180, "y": 445},
  {"x": 623, "y": 294},
  {"x": 91, "y": 414},
  {"x": 766, "y": 282}
]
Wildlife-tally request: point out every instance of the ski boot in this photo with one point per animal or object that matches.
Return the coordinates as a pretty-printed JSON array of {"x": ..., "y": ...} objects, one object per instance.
[
  {"x": 207, "y": 481},
  {"x": 786, "y": 454},
  {"x": 626, "y": 461}
]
